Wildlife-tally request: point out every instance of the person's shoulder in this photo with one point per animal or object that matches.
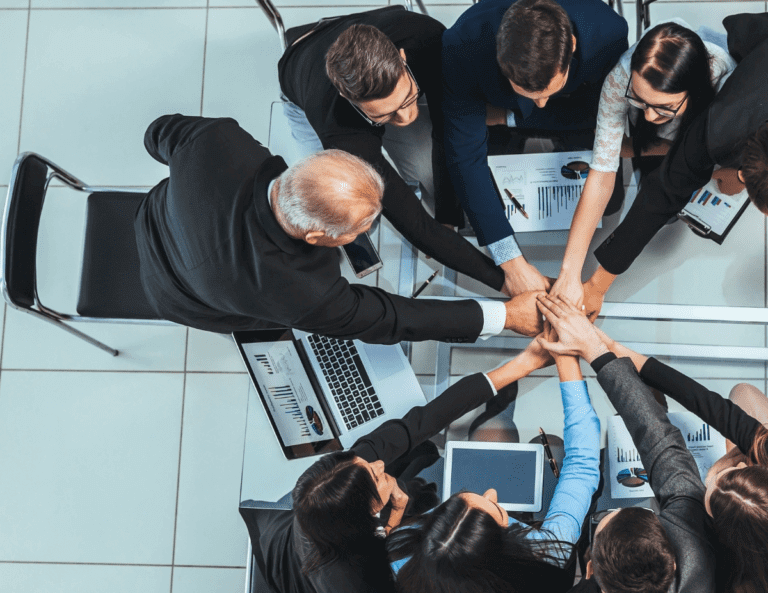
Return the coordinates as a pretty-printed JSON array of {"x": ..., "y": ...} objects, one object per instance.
[
  {"x": 595, "y": 22},
  {"x": 474, "y": 22}
]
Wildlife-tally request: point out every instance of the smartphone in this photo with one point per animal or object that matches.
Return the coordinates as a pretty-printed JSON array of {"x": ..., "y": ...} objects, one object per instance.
[{"x": 362, "y": 256}]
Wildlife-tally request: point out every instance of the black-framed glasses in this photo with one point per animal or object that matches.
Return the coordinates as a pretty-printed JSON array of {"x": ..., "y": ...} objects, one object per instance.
[
  {"x": 667, "y": 112},
  {"x": 384, "y": 119}
]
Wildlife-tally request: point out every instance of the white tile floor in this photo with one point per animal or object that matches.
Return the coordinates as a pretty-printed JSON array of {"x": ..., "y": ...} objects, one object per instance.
[{"x": 123, "y": 474}]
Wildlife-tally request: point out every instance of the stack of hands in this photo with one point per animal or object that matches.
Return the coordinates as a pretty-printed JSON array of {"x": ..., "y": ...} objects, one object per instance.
[
  {"x": 523, "y": 315},
  {"x": 565, "y": 334}
]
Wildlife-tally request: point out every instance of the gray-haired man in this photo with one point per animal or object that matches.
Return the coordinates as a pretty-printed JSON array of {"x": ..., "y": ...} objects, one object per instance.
[{"x": 236, "y": 240}]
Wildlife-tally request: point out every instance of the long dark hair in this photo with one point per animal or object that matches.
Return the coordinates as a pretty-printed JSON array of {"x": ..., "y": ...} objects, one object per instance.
[
  {"x": 333, "y": 502},
  {"x": 672, "y": 59},
  {"x": 460, "y": 549},
  {"x": 739, "y": 507}
]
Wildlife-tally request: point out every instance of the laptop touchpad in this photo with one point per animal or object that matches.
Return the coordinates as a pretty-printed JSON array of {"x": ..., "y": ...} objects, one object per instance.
[{"x": 385, "y": 360}]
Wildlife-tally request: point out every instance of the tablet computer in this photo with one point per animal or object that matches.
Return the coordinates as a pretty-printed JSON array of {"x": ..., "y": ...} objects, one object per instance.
[{"x": 514, "y": 470}]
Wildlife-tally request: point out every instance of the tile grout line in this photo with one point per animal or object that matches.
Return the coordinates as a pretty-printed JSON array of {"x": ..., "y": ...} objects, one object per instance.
[
  {"x": 54, "y": 563},
  {"x": 205, "y": 53},
  {"x": 23, "y": 80},
  {"x": 178, "y": 470},
  {"x": 125, "y": 371}
]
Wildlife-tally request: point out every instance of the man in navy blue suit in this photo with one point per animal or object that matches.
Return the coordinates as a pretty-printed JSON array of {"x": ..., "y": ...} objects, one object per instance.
[{"x": 532, "y": 65}]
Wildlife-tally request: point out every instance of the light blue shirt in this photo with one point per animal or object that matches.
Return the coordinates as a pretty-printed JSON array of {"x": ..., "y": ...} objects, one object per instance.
[{"x": 579, "y": 476}]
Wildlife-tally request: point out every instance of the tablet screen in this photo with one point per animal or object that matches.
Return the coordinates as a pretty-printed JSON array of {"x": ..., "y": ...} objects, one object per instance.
[{"x": 511, "y": 473}]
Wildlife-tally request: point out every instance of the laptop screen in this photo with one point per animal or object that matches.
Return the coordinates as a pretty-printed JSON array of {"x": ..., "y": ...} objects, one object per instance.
[{"x": 287, "y": 392}]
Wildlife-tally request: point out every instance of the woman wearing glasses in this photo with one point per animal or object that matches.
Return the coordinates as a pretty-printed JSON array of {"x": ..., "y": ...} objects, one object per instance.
[{"x": 659, "y": 85}]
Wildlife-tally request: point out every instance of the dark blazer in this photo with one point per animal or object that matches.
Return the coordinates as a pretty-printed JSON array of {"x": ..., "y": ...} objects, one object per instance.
[
  {"x": 304, "y": 81},
  {"x": 472, "y": 78},
  {"x": 672, "y": 474},
  {"x": 726, "y": 417},
  {"x": 716, "y": 136},
  {"x": 213, "y": 256},
  {"x": 280, "y": 548}
]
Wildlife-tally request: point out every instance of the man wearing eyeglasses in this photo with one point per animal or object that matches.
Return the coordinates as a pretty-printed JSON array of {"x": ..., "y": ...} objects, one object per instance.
[{"x": 371, "y": 80}]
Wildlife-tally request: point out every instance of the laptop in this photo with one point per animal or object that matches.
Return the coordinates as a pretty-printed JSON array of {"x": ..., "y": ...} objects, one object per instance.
[
  {"x": 322, "y": 394},
  {"x": 515, "y": 471}
]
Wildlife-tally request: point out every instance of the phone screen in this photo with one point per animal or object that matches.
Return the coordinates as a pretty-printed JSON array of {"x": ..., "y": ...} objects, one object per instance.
[{"x": 362, "y": 255}]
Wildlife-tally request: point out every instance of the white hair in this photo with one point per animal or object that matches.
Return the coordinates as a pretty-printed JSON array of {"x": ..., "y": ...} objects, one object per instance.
[{"x": 315, "y": 193}]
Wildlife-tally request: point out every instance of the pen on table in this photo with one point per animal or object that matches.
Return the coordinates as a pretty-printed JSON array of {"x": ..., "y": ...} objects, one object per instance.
[
  {"x": 516, "y": 203},
  {"x": 548, "y": 451},
  {"x": 421, "y": 288}
]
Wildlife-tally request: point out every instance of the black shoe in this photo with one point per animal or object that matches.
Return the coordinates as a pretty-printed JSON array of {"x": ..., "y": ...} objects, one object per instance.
[{"x": 495, "y": 406}]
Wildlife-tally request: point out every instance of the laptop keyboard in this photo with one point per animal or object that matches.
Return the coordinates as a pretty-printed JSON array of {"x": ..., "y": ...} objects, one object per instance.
[{"x": 350, "y": 385}]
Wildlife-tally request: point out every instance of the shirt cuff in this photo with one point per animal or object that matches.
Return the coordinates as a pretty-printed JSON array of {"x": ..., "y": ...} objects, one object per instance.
[
  {"x": 511, "y": 123},
  {"x": 504, "y": 250},
  {"x": 493, "y": 388},
  {"x": 494, "y": 318},
  {"x": 602, "y": 360}
]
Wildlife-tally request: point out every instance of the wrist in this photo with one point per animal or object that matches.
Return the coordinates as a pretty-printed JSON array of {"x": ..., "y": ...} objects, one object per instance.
[
  {"x": 601, "y": 280},
  {"x": 568, "y": 368},
  {"x": 594, "y": 351}
]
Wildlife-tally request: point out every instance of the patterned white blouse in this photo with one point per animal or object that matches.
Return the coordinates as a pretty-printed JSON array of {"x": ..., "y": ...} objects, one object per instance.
[{"x": 614, "y": 109}]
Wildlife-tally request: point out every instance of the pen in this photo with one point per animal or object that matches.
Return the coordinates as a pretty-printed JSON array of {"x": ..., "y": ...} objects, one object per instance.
[
  {"x": 516, "y": 203},
  {"x": 421, "y": 288},
  {"x": 548, "y": 451}
]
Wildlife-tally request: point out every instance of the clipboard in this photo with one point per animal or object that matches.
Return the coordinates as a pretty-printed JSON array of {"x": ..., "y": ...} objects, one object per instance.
[{"x": 711, "y": 214}]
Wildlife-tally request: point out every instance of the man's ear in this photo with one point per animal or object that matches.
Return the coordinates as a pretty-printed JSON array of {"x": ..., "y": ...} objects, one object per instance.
[
  {"x": 312, "y": 237},
  {"x": 402, "y": 54},
  {"x": 574, "y": 43},
  {"x": 739, "y": 175},
  {"x": 588, "y": 572}
]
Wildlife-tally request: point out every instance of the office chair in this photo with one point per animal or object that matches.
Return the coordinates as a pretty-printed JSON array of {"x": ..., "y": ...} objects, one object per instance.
[{"x": 110, "y": 286}]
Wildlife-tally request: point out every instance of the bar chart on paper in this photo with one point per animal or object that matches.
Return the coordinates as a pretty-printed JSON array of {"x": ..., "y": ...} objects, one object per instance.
[
  {"x": 705, "y": 444},
  {"x": 628, "y": 476},
  {"x": 547, "y": 186},
  {"x": 713, "y": 209}
]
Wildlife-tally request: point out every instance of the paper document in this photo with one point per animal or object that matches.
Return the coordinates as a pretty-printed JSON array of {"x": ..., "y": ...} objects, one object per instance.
[
  {"x": 627, "y": 474},
  {"x": 713, "y": 209},
  {"x": 704, "y": 442},
  {"x": 548, "y": 187}
]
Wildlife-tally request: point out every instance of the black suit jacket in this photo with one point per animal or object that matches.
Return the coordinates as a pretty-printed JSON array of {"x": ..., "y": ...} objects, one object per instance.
[
  {"x": 213, "y": 256},
  {"x": 279, "y": 546},
  {"x": 715, "y": 136},
  {"x": 672, "y": 473}
]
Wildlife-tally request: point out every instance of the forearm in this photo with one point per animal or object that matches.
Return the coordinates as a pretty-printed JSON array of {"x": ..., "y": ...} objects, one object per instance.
[
  {"x": 580, "y": 474},
  {"x": 408, "y": 216},
  {"x": 672, "y": 470},
  {"x": 600, "y": 281},
  {"x": 517, "y": 368},
  {"x": 621, "y": 351},
  {"x": 597, "y": 192},
  {"x": 375, "y": 316},
  {"x": 724, "y": 416},
  {"x": 568, "y": 368},
  {"x": 396, "y": 438}
]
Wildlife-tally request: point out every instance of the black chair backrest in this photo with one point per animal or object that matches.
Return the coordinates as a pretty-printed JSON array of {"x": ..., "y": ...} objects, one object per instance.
[{"x": 26, "y": 197}]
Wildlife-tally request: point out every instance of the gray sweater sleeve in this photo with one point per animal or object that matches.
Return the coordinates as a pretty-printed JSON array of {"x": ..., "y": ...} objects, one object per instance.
[{"x": 672, "y": 472}]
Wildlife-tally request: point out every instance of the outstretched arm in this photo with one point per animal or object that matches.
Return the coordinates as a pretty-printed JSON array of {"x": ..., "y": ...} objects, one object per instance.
[{"x": 395, "y": 438}]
